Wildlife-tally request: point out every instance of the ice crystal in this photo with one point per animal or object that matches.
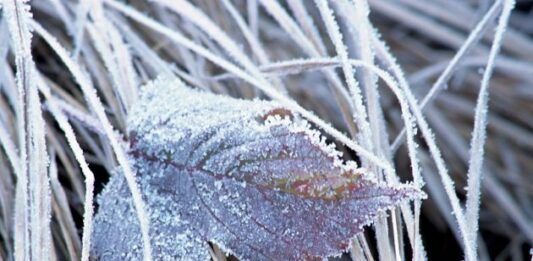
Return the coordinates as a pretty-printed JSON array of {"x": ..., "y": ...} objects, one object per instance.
[{"x": 249, "y": 176}]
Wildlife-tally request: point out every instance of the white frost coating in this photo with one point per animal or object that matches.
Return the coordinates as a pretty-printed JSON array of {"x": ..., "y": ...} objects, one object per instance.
[
  {"x": 248, "y": 175},
  {"x": 89, "y": 176},
  {"x": 92, "y": 98},
  {"x": 360, "y": 116},
  {"x": 20, "y": 36},
  {"x": 472, "y": 39},
  {"x": 17, "y": 14},
  {"x": 264, "y": 86},
  {"x": 477, "y": 149}
]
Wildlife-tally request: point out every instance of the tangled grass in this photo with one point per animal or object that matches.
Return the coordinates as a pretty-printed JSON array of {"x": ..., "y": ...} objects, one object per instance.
[{"x": 455, "y": 116}]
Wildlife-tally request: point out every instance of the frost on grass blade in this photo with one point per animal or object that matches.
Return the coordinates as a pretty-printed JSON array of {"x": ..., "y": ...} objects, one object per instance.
[{"x": 250, "y": 176}]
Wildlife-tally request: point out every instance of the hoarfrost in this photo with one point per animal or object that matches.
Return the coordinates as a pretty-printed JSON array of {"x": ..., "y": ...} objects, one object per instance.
[{"x": 248, "y": 175}]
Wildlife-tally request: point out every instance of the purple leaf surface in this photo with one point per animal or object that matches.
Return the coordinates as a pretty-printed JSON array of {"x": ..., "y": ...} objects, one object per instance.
[{"x": 249, "y": 176}]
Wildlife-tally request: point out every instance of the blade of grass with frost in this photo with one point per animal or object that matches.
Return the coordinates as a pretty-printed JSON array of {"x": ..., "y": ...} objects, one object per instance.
[
  {"x": 290, "y": 26},
  {"x": 253, "y": 16},
  {"x": 479, "y": 134},
  {"x": 356, "y": 251},
  {"x": 141, "y": 48},
  {"x": 17, "y": 13},
  {"x": 85, "y": 119},
  {"x": 472, "y": 39},
  {"x": 516, "y": 43},
  {"x": 82, "y": 11},
  {"x": 493, "y": 187},
  {"x": 64, "y": 158},
  {"x": 360, "y": 116},
  {"x": 342, "y": 96},
  {"x": 89, "y": 180},
  {"x": 97, "y": 107},
  {"x": 306, "y": 22},
  {"x": 63, "y": 15},
  {"x": 175, "y": 36},
  {"x": 430, "y": 139},
  {"x": 356, "y": 13},
  {"x": 105, "y": 86},
  {"x": 445, "y": 130},
  {"x": 358, "y": 21},
  {"x": 411, "y": 219},
  {"x": 427, "y": 133},
  {"x": 253, "y": 41},
  {"x": 365, "y": 137},
  {"x": 62, "y": 212},
  {"x": 108, "y": 55},
  {"x": 120, "y": 59},
  {"x": 507, "y": 65},
  {"x": 89, "y": 176},
  {"x": 100, "y": 42},
  {"x": 38, "y": 178},
  {"x": 420, "y": 23},
  {"x": 366, "y": 249}
]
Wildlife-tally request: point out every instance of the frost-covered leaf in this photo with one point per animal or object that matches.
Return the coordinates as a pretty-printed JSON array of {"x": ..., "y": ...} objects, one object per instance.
[{"x": 250, "y": 176}]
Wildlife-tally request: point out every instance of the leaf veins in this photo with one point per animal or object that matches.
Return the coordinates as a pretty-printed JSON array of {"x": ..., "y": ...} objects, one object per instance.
[{"x": 249, "y": 176}]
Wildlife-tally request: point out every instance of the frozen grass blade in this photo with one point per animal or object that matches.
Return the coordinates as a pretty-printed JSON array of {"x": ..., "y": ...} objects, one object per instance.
[
  {"x": 430, "y": 139},
  {"x": 62, "y": 211},
  {"x": 469, "y": 44},
  {"x": 119, "y": 62},
  {"x": 82, "y": 11},
  {"x": 89, "y": 176},
  {"x": 306, "y": 22},
  {"x": 361, "y": 35},
  {"x": 342, "y": 96},
  {"x": 360, "y": 115},
  {"x": 253, "y": 41},
  {"x": 290, "y": 26},
  {"x": 97, "y": 106},
  {"x": 41, "y": 243},
  {"x": 17, "y": 14},
  {"x": 477, "y": 150}
]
